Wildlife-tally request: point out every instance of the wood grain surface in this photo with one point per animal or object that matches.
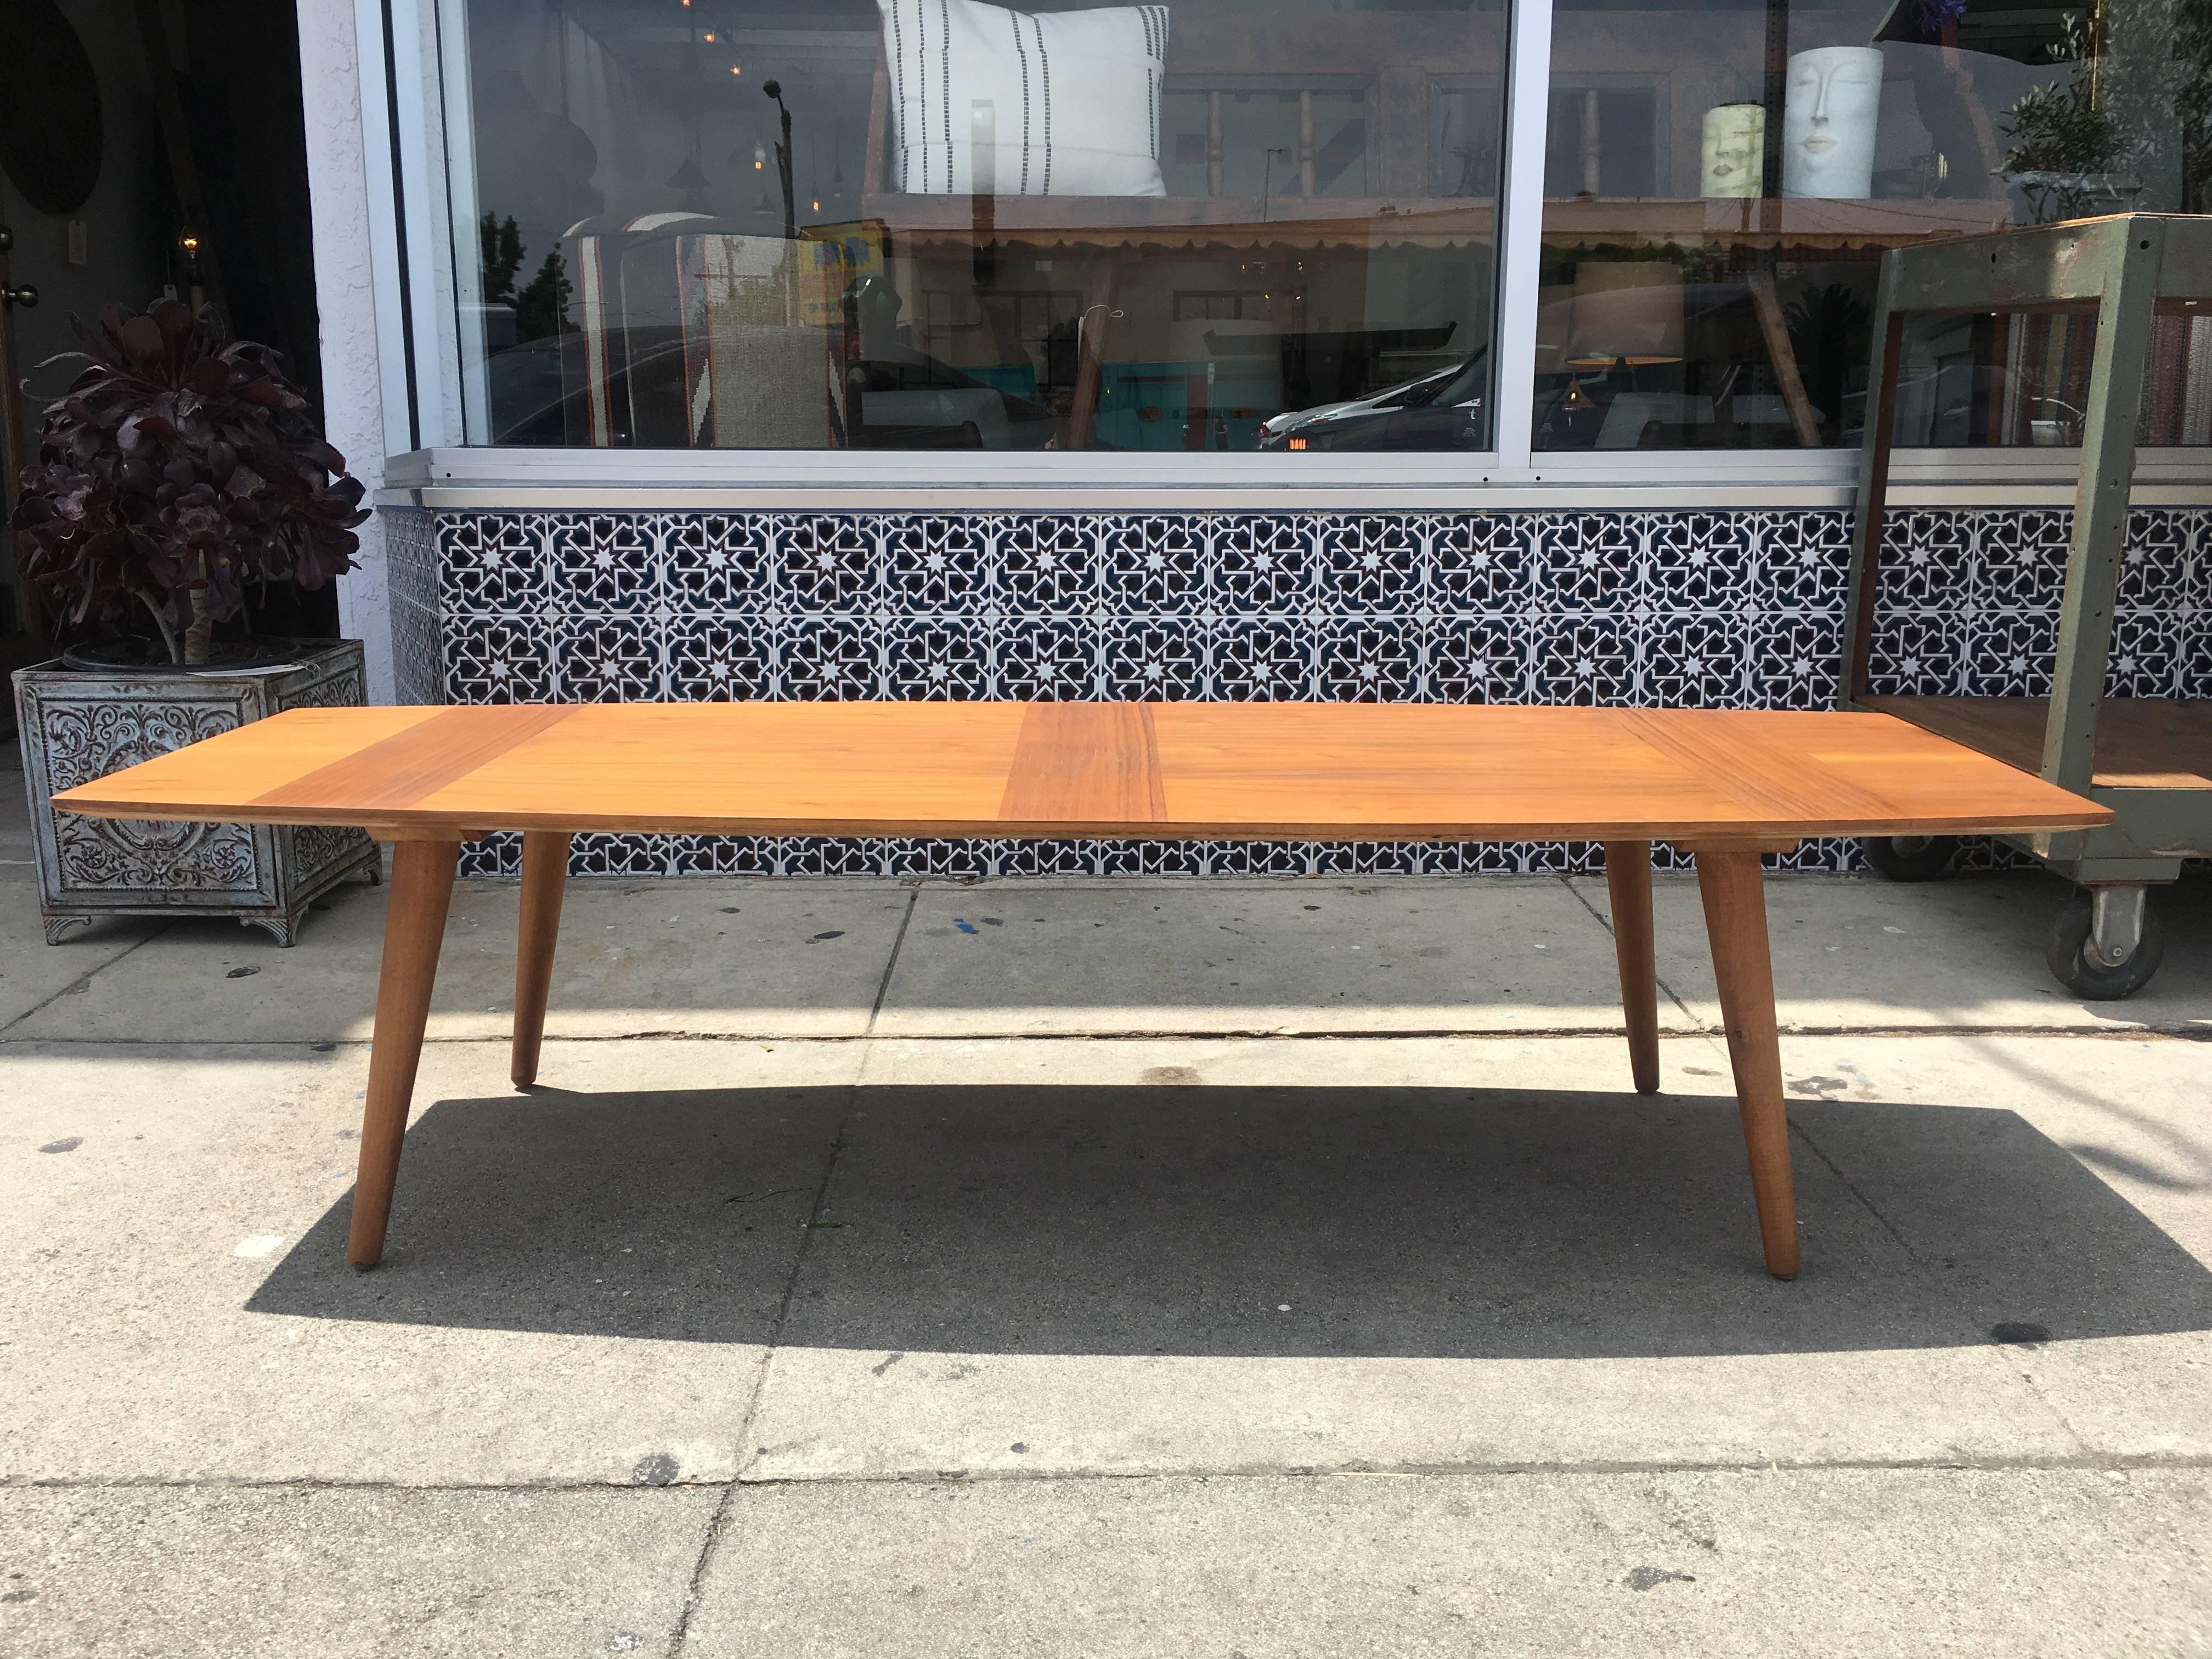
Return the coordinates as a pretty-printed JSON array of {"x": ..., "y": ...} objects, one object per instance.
[
  {"x": 2143, "y": 743},
  {"x": 1271, "y": 771}
]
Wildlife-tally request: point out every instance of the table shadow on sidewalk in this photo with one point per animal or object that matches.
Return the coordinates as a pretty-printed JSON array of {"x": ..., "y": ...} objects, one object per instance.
[{"x": 1241, "y": 1221}]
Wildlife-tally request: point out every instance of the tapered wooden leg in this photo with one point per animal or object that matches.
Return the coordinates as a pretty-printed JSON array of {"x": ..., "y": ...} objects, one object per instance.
[
  {"x": 1735, "y": 924},
  {"x": 544, "y": 878},
  {"x": 414, "y": 927},
  {"x": 1628, "y": 884}
]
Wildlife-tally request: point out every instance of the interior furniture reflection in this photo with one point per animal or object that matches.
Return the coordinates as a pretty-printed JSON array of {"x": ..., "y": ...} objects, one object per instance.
[
  {"x": 1264, "y": 218},
  {"x": 1258, "y": 161},
  {"x": 1308, "y": 247}
]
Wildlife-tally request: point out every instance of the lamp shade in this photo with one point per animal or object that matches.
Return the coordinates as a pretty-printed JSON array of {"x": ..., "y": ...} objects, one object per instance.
[
  {"x": 1626, "y": 310},
  {"x": 1555, "y": 326}
]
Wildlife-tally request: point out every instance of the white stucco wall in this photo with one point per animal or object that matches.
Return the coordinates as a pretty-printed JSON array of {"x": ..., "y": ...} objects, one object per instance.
[{"x": 345, "y": 298}]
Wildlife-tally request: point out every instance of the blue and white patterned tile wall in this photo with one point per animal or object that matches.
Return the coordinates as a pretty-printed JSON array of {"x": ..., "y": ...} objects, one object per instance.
[
  {"x": 411, "y": 544},
  {"x": 1662, "y": 609},
  {"x": 1969, "y": 604}
]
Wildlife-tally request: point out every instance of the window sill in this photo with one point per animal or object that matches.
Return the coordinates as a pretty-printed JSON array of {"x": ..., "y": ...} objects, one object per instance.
[{"x": 454, "y": 479}]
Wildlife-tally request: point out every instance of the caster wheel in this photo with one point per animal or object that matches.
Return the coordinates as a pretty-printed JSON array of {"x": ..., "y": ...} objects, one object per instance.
[
  {"x": 1909, "y": 858},
  {"x": 2069, "y": 933}
]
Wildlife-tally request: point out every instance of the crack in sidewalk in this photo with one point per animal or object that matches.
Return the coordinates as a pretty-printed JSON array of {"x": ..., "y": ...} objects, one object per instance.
[
  {"x": 1924, "y": 1268},
  {"x": 719, "y": 1523},
  {"x": 1605, "y": 922},
  {"x": 79, "y": 983},
  {"x": 2198, "y": 1033},
  {"x": 1798, "y": 1129},
  {"x": 2089, "y": 1461}
]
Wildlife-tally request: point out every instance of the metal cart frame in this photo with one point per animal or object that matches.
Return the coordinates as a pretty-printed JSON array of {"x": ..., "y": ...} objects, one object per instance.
[{"x": 2119, "y": 269}]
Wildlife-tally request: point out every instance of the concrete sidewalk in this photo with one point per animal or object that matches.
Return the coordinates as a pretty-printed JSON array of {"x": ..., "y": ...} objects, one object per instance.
[{"x": 1102, "y": 1268}]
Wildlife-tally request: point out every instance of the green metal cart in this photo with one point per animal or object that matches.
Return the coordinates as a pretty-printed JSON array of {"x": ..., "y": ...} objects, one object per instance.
[{"x": 2148, "y": 759}]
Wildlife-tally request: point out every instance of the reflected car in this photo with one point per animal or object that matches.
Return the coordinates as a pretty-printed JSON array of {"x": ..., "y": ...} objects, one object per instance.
[
  {"x": 1581, "y": 403},
  {"x": 1445, "y": 408}
]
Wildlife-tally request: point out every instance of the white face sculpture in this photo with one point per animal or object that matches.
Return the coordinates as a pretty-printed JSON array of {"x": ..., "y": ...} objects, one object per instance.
[{"x": 1829, "y": 114}]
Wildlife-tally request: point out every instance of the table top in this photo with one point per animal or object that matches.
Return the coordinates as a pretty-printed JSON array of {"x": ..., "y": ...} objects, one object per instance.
[{"x": 1253, "y": 771}]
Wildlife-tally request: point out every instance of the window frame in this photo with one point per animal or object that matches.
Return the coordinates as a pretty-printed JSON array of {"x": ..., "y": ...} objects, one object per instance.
[{"x": 415, "y": 225}]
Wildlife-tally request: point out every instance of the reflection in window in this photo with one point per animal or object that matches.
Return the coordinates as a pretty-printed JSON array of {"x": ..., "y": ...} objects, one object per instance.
[
  {"x": 1230, "y": 137},
  {"x": 2005, "y": 378},
  {"x": 1467, "y": 128},
  {"x": 1722, "y": 180},
  {"x": 1212, "y": 225},
  {"x": 1607, "y": 136}
]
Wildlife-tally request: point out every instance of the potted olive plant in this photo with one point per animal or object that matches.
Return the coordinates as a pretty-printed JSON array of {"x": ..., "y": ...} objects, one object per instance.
[
  {"x": 178, "y": 475},
  {"x": 2074, "y": 144}
]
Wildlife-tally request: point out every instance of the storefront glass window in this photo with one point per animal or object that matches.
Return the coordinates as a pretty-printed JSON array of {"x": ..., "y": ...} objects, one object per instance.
[
  {"x": 1210, "y": 225},
  {"x": 1721, "y": 179}
]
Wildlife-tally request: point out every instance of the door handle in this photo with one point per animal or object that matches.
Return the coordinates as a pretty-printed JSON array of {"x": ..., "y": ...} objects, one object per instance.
[{"x": 21, "y": 294}]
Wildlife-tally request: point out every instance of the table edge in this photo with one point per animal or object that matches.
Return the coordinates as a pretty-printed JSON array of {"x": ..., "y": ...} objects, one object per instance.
[{"x": 1671, "y": 829}]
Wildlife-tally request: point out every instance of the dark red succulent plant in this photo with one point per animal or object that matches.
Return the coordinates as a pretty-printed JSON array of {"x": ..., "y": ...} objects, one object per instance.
[{"x": 179, "y": 469}]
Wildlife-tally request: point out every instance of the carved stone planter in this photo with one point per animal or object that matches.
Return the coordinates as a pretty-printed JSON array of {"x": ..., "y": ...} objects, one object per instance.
[{"x": 79, "y": 726}]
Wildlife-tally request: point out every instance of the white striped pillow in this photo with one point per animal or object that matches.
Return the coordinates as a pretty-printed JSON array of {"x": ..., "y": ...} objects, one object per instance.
[{"x": 990, "y": 101}]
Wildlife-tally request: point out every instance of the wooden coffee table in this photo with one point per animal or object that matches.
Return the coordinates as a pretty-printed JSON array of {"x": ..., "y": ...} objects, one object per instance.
[{"x": 1725, "y": 786}]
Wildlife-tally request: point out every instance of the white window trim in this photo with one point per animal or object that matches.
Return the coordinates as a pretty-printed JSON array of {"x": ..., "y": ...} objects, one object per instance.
[
  {"x": 440, "y": 471},
  {"x": 429, "y": 309},
  {"x": 1521, "y": 230},
  {"x": 735, "y": 480},
  {"x": 447, "y": 68},
  {"x": 383, "y": 253}
]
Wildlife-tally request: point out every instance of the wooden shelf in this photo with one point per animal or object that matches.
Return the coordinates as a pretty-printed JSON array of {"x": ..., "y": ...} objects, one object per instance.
[
  {"x": 1851, "y": 223},
  {"x": 2143, "y": 743},
  {"x": 1106, "y": 222}
]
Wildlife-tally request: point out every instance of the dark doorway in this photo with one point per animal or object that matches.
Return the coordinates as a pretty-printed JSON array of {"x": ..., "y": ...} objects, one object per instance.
[{"x": 148, "y": 147}]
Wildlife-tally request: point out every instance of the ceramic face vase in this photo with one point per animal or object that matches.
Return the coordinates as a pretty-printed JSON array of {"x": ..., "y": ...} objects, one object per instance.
[
  {"x": 1733, "y": 150},
  {"x": 1829, "y": 113}
]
